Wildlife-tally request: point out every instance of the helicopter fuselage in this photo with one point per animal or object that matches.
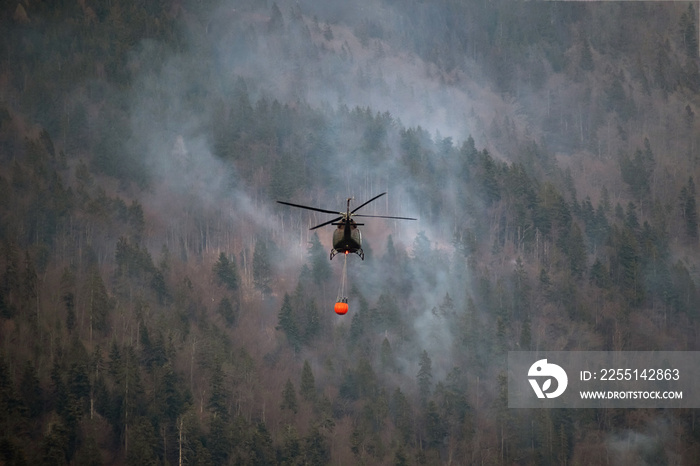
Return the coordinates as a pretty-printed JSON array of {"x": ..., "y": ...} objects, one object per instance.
[{"x": 347, "y": 238}]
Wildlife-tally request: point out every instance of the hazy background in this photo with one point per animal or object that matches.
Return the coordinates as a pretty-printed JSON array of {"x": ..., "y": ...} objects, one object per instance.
[{"x": 157, "y": 300}]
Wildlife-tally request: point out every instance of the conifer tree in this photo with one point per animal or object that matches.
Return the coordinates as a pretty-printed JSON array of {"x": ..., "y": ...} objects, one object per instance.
[
  {"x": 387, "y": 359},
  {"x": 545, "y": 284},
  {"x": 308, "y": 384},
  {"x": 316, "y": 449},
  {"x": 387, "y": 314},
  {"x": 290, "y": 453},
  {"x": 312, "y": 321},
  {"x": 286, "y": 322},
  {"x": 637, "y": 171},
  {"x": 68, "y": 281},
  {"x": 575, "y": 249},
  {"x": 143, "y": 442},
  {"x": 320, "y": 267},
  {"x": 688, "y": 30},
  {"x": 276, "y": 22},
  {"x": 30, "y": 390},
  {"x": 435, "y": 427},
  {"x": 599, "y": 275},
  {"x": 226, "y": 273},
  {"x": 400, "y": 458},
  {"x": 99, "y": 302},
  {"x": 365, "y": 379},
  {"x": 490, "y": 189},
  {"x": 289, "y": 397},
  {"x": 402, "y": 416},
  {"x": 219, "y": 440},
  {"x": 425, "y": 376},
  {"x": 218, "y": 399},
  {"x": 261, "y": 448},
  {"x": 629, "y": 268}
]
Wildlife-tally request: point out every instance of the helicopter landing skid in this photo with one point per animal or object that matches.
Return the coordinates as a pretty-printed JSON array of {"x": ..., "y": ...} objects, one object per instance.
[{"x": 359, "y": 252}]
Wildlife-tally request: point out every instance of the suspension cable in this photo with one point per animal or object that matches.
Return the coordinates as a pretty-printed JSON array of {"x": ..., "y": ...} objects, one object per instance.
[{"x": 343, "y": 280}]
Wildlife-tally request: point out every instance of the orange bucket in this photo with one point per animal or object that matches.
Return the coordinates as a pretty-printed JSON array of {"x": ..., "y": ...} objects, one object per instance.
[{"x": 341, "y": 308}]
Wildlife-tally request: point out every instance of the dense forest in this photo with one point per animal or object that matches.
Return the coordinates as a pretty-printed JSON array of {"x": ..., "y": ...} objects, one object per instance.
[{"x": 157, "y": 306}]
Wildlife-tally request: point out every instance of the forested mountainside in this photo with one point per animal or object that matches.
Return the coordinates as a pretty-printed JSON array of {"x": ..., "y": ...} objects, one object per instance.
[{"x": 157, "y": 306}]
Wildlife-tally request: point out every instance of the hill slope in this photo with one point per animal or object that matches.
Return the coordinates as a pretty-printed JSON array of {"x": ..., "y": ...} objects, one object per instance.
[{"x": 158, "y": 306}]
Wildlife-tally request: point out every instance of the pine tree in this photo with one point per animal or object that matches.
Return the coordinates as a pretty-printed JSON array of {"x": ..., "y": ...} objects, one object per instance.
[
  {"x": 219, "y": 441},
  {"x": 143, "y": 444},
  {"x": 545, "y": 284},
  {"x": 447, "y": 306},
  {"x": 688, "y": 30},
  {"x": 599, "y": 229},
  {"x": 136, "y": 220},
  {"x": 226, "y": 273},
  {"x": 54, "y": 445},
  {"x": 435, "y": 427},
  {"x": 69, "y": 301},
  {"x": 401, "y": 414},
  {"x": 631, "y": 218},
  {"x": 365, "y": 379},
  {"x": 400, "y": 458},
  {"x": 312, "y": 321},
  {"x": 421, "y": 247},
  {"x": 286, "y": 322},
  {"x": 170, "y": 397},
  {"x": 629, "y": 267},
  {"x": 387, "y": 359},
  {"x": 599, "y": 275},
  {"x": 261, "y": 448},
  {"x": 99, "y": 302},
  {"x": 308, "y": 384},
  {"x": 200, "y": 455},
  {"x": 490, "y": 190},
  {"x": 387, "y": 314},
  {"x": 425, "y": 376},
  {"x": 289, "y": 397},
  {"x": 575, "y": 249},
  {"x": 127, "y": 397},
  {"x": 30, "y": 390},
  {"x": 290, "y": 453},
  {"x": 316, "y": 450},
  {"x": 276, "y": 22},
  {"x": 637, "y": 171},
  {"x": 218, "y": 399},
  {"x": 320, "y": 267}
]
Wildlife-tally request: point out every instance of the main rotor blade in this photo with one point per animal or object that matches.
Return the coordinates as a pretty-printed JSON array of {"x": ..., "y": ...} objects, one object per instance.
[
  {"x": 362, "y": 205},
  {"x": 385, "y": 216},
  {"x": 326, "y": 223},
  {"x": 311, "y": 208}
]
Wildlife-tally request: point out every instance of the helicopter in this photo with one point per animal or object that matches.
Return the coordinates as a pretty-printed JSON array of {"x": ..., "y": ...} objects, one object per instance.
[{"x": 347, "y": 238}]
